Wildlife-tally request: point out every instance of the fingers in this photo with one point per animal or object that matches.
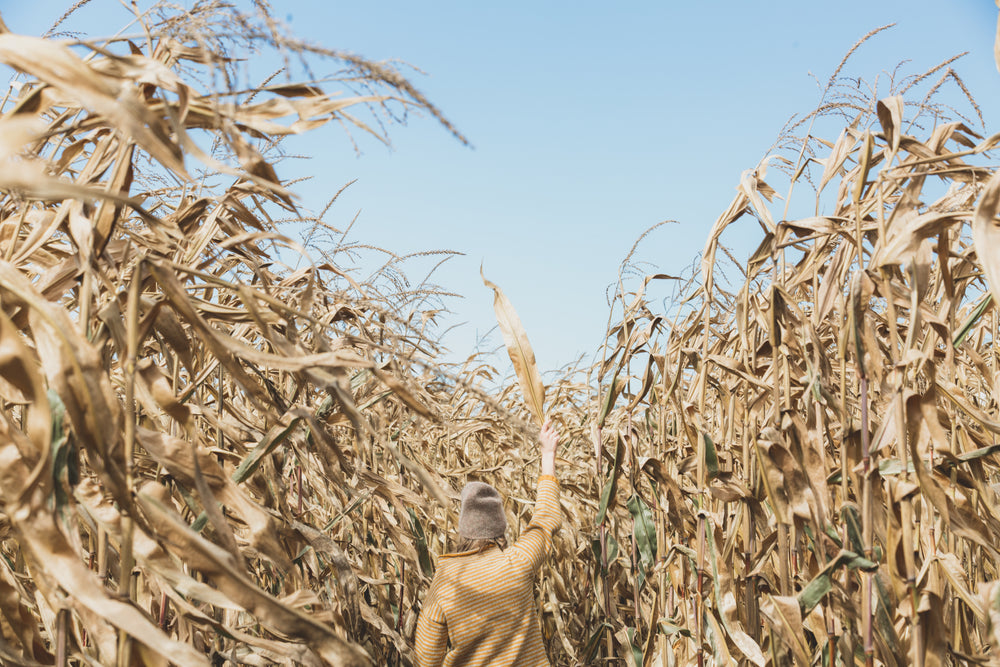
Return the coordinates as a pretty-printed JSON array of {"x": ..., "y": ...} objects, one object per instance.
[{"x": 549, "y": 436}]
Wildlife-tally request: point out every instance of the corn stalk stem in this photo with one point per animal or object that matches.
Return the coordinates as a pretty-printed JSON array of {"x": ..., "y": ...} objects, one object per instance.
[
  {"x": 298, "y": 488},
  {"x": 402, "y": 594},
  {"x": 603, "y": 538},
  {"x": 866, "y": 518},
  {"x": 62, "y": 637},
  {"x": 128, "y": 526},
  {"x": 163, "y": 611},
  {"x": 700, "y": 574}
]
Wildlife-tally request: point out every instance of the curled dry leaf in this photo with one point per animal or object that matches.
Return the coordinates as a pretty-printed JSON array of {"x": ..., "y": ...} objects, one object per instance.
[{"x": 519, "y": 349}]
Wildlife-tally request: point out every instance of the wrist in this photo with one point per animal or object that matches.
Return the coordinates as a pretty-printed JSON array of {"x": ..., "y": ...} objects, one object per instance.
[{"x": 549, "y": 463}]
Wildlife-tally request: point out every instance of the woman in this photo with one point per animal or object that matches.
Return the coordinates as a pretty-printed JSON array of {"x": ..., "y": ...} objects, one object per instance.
[{"x": 482, "y": 601}]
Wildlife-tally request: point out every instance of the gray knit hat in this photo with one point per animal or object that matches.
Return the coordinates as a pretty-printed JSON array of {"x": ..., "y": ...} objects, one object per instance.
[{"x": 482, "y": 516}]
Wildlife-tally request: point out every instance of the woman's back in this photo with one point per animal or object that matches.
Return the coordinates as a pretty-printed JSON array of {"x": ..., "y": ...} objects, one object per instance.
[
  {"x": 488, "y": 604},
  {"x": 482, "y": 602}
]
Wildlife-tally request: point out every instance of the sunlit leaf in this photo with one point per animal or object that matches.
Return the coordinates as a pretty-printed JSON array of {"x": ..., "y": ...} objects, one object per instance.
[{"x": 520, "y": 352}]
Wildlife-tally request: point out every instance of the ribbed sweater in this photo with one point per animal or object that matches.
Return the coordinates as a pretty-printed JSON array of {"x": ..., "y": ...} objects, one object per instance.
[{"x": 483, "y": 603}]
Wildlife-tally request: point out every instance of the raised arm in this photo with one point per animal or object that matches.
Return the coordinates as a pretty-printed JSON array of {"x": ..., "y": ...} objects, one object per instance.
[{"x": 536, "y": 540}]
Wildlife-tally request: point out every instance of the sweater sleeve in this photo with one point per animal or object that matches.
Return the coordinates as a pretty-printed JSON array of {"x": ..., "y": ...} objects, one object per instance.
[
  {"x": 432, "y": 632},
  {"x": 536, "y": 540}
]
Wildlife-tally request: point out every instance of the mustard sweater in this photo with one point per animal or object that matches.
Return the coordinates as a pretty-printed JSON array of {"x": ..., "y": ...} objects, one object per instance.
[{"x": 483, "y": 603}]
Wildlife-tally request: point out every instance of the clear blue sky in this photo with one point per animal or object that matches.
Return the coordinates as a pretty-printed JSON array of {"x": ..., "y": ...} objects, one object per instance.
[{"x": 591, "y": 122}]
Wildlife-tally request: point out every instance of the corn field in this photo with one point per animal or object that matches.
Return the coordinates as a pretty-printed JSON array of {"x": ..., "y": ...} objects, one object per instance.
[{"x": 219, "y": 448}]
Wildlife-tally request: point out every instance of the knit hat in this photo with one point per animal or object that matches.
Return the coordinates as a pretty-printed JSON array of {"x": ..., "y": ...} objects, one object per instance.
[{"x": 482, "y": 516}]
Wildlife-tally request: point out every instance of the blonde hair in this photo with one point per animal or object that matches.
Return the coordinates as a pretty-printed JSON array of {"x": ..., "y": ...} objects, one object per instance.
[{"x": 465, "y": 544}]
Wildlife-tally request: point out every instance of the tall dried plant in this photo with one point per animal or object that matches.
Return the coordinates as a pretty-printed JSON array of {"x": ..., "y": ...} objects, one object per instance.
[{"x": 217, "y": 448}]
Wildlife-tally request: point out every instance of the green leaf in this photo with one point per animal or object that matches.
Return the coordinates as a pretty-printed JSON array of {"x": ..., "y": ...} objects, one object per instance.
[
  {"x": 613, "y": 549},
  {"x": 832, "y": 533},
  {"x": 690, "y": 553},
  {"x": 855, "y": 562},
  {"x": 979, "y": 453},
  {"x": 849, "y": 512},
  {"x": 966, "y": 327},
  {"x": 59, "y": 437},
  {"x": 611, "y": 544},
  {"x": 884, "y": 613},
  {"x": 426, "y": 565},
  {"x": 813, "y": 593},
  {"x": 644, "y": 530},
  {"x": 636, "y": 653},
  {"x": 609, "y": 400},
  {"x": 671, "y": 629},
  {"x": 609, "y": 489},
  {"x": 894, "y": 467},
  {"x": 272, "y": 439},
  {"x": 856, "y": 321},
  {"x": 65, "y": 457},
  {"x": 712, "y": 635},
  {"x": 594, "y": 643},
  {"x": 711, "y": 457},
  {"x": 199, "y": 523},
  {"x": 608, "y": 494},
  {"x": 822, "y": 583}
]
